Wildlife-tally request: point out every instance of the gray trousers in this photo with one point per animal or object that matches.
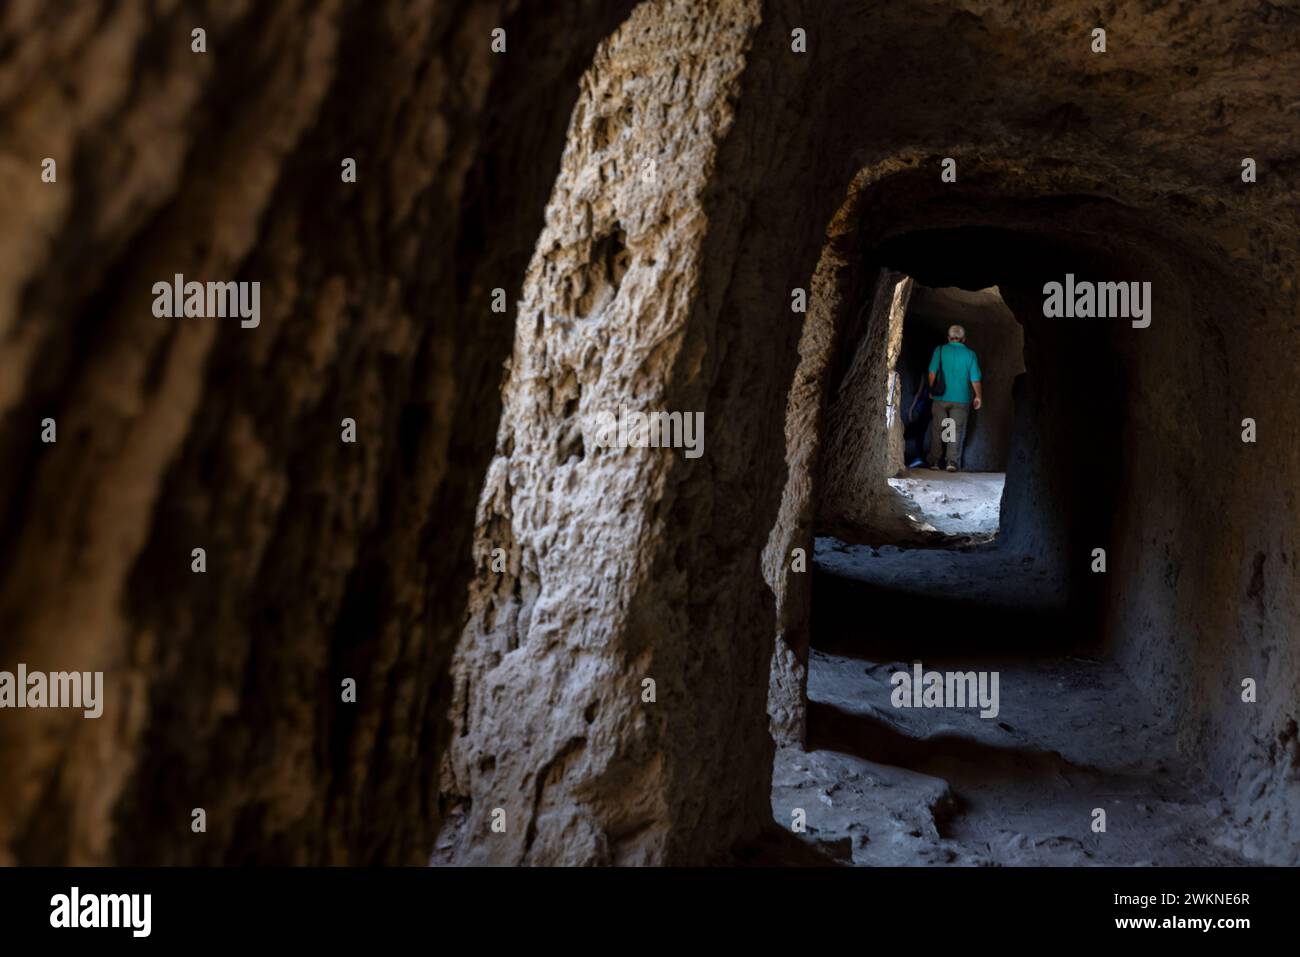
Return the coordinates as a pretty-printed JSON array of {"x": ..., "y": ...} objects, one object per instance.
[{"x": 959, "y": 412}]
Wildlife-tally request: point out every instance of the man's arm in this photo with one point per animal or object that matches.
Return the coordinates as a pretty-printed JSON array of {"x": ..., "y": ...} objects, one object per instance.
[{"x": 979, "y": 394}]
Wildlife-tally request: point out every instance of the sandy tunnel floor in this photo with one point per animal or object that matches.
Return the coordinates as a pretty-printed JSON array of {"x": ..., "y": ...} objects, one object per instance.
[
  {"x": 884, "y": 785},
  {"x": 1071, "y": 736},
  {"x": 954, "y": 503}
]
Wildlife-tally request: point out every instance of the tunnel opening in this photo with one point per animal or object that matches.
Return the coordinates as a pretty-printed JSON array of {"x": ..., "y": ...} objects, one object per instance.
[
  {"x": 960, "y": 498},
  {"x": 985, "y": 709}
]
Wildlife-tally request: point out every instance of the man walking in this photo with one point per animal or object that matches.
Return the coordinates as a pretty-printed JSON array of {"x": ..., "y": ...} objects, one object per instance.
[{"x": 961, "y": 374}]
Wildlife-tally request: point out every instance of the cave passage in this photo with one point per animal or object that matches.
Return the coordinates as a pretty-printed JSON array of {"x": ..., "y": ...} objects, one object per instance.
[
  {"x": 948, "y": 503},
  {"x": 962, "y": 705},
  {"x": 368, "y": 583}
]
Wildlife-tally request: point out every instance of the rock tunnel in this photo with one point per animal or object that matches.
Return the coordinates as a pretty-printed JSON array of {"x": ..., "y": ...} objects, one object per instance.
[{"x": 627, "y": 655}]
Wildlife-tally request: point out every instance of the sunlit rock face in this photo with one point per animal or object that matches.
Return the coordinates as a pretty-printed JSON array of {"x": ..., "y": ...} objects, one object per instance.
[{"x": 601, "y": 700}]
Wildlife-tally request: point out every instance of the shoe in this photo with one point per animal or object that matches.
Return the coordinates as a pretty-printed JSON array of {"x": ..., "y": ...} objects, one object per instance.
[
  {"x": 933, "y": 468},
  {"x": 951, "y": 467},
  {"x": 915, "y": 463}
]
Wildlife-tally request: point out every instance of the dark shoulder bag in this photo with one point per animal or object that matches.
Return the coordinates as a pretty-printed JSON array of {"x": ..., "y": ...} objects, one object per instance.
[{"x": 939, "y": 387}]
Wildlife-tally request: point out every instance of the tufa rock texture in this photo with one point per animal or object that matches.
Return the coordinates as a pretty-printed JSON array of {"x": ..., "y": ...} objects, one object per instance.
[
  {"x": 862, "y": 438},
  {"x": 626, "y": 303}
]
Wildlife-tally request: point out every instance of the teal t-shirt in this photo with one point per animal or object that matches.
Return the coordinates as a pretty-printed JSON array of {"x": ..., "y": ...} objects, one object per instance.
[{"x": 960, "y": 368}]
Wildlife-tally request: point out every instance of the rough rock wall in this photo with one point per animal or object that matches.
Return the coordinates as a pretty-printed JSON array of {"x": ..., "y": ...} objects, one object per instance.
[
  {"x": 859, "y": 449},
  {"x": 788, "y": 555},
  {"x": 1198, "y": 595},
  {"x": 553, "y": 724},
  {"x": 1203, "y": 593},
  {"x": 324, "y": 560}
]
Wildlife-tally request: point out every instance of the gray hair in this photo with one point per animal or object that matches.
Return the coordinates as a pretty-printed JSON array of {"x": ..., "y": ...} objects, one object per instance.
[{"x": 957, "y": 332}]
